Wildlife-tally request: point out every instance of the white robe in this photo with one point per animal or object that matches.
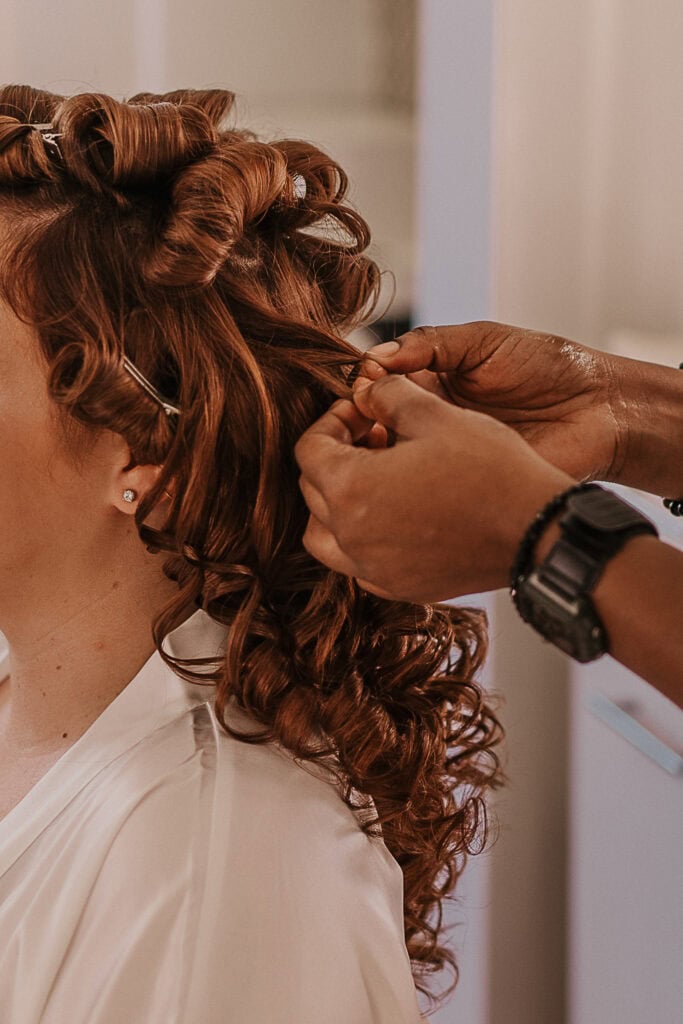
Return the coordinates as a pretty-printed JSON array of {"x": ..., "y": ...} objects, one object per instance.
[{"x": 162, "y": 872}]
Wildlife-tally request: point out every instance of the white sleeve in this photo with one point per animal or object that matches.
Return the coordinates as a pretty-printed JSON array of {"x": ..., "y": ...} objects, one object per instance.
[{"x": 303, "y": 923}]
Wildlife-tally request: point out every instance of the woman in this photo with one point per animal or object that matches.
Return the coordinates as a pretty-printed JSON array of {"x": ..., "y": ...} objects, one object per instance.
[{"x": 235, "y": 786}]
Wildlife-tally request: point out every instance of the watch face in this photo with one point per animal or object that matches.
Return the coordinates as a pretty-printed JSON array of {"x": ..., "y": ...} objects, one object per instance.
[
  {"x": 554, "y": 597},
  {"x": 571, "y": 625}
]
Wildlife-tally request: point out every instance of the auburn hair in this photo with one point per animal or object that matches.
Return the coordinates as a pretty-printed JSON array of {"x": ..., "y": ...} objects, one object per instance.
[{"x": 161, "y": 233}]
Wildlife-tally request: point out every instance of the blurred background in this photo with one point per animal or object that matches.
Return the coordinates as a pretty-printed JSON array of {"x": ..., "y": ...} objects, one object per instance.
[{"x": 518, "y": 161}]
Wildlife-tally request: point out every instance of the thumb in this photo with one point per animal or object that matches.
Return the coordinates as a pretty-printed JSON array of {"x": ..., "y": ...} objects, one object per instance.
[{"x": 399, "y": 403}]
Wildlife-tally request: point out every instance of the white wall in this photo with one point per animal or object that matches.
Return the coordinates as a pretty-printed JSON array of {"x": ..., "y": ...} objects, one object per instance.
[
  {"x": 454, "y": 161},
  {"x": 454, "y": 284}
]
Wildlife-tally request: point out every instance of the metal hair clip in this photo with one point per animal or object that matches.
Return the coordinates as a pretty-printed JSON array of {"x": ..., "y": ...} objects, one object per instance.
[
  {"x": 168, "y": 407},
  {"x": 49, "y": 136},
  {"x": 299, "y": 185}
]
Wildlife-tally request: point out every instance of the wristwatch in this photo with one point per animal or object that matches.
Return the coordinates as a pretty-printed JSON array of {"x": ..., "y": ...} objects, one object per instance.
[{"x": 554, "y": 597}]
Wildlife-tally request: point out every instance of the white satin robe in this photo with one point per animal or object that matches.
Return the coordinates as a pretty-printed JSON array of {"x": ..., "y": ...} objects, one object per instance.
[{"x": 162, "y": 872}]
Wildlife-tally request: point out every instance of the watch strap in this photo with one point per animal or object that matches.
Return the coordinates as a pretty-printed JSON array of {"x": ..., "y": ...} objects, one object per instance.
[
  {"x": 554, "y": 596},
  {"x": 593, "y": 531}
]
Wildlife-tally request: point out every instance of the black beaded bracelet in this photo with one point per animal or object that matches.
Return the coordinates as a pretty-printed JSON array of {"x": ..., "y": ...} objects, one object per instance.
[
  {"x": 522, "y": 564},
  {"x": 675, "y": 505}
]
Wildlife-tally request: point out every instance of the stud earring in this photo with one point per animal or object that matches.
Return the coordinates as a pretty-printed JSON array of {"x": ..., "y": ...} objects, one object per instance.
[{"x": 128, "y": 495}]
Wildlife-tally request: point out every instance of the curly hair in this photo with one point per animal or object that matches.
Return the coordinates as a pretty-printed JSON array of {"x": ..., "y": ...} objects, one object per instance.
[{"x": 161, "y": 234}]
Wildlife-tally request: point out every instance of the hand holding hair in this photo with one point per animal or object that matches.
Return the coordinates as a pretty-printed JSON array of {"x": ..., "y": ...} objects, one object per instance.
[
  {"x": 405, "y": 520},
  {"x": 441, "y": 511},
  {"x": 595, "y": 415}
]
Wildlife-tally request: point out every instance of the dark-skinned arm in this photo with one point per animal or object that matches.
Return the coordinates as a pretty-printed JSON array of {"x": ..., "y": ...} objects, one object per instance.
[
  {"x": 639, "y": 598},
  {"x": 647, "y": 400}
]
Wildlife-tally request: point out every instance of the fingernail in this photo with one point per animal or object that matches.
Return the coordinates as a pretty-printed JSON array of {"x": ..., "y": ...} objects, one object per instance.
[
  {"x": 361, "y": 383},
  {"x": 387, "y": 348}
]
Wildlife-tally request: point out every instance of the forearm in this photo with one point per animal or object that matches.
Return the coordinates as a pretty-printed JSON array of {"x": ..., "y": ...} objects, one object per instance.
[
  {"x": 648, "y": 403},
  {"x": 639, "y": 598}
]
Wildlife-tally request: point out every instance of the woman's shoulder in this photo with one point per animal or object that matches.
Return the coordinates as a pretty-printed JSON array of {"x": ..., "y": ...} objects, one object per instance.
[
  {"x": 317, "y": 903},
  {"x": 204, "y": 789},
  {"x": 206, "y": 771},
  {"x": 269, "y": 773}
]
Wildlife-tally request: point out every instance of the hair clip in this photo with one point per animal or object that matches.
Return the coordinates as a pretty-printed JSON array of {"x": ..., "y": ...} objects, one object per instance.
[
  {"x": 299, "y": 185},
  {"x": 49, "y": 136},
  {"x": 167, "y": 406}
]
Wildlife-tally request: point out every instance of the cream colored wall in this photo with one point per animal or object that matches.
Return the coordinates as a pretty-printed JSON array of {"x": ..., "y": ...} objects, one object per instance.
[
  {"x": 589, "y": 158},
  {"x": 587, "y": 203},
  {"x": 539, "y": 137},
  {"x": 634, "y": 165}
]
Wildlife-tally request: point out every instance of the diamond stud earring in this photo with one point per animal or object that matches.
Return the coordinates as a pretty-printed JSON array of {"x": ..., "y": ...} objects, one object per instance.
[{"x": 128, "y": 495}]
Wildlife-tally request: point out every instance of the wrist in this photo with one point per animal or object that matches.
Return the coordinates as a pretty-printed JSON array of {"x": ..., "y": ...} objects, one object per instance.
[
  {"x": 533, "y": 517},
  {"x": 560, "y": 563},
  {"x": 535, "y": 499},
  {"x": 647, "y": 401},
  {"x": 617, "y": 576}
]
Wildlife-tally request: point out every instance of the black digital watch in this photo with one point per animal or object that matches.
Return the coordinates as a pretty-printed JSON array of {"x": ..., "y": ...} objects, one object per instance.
[{"x": 553, "y": 597}]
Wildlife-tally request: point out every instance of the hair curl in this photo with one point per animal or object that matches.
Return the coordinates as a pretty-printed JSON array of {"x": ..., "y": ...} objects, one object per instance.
[{"x": 189, "y": 246}]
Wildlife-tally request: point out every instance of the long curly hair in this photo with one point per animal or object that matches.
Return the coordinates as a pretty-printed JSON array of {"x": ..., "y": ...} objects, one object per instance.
[{"x": 158, "y": 232}]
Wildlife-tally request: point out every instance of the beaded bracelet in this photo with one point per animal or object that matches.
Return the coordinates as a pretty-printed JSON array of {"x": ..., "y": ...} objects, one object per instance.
[
  {"x": 522, "y": 564},
  {"x": 675, "y": 505}
]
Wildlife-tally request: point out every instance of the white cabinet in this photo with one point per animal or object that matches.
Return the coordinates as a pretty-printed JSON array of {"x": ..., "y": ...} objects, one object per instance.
[{"x": 626, "y": 847}]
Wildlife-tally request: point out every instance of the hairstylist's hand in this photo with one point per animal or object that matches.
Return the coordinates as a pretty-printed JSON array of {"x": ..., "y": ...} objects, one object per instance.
[
  {"x": 561, "y": 397},
  {"x": 437, "y": 515}
]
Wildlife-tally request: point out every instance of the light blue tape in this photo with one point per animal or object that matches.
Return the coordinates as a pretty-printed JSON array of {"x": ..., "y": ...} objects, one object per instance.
[{"x": 618, "y": 719}]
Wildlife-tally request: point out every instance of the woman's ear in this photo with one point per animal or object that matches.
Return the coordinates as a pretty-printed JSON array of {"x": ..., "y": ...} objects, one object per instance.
[{"x": 133, "y": 484}]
